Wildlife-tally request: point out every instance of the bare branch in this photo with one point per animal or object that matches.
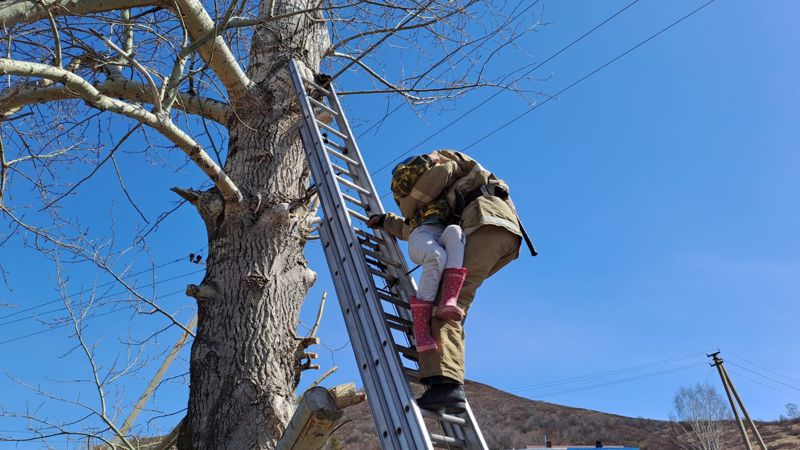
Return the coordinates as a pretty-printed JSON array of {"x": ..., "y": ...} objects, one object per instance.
[
  {"x": 99, "y": 165},
  {"x": 26, "y": 11},
  {"x": 382, "y": 80},
  {"x": 56, "y": 38},
  {"x": 139, "y": 67},
  {"x": 160, "y": 123},
  {"x": 122, "y": 89},
  {"x": 216, "y": 52},
  {"x": 426, "y": 23}
]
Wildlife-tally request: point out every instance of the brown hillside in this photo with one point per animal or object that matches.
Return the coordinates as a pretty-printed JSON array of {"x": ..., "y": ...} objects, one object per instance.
[{"x": 509, "y": 421}]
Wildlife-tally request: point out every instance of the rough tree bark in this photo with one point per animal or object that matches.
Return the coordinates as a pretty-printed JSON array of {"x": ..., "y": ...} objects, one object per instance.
[{"x": 243, "y": 374}]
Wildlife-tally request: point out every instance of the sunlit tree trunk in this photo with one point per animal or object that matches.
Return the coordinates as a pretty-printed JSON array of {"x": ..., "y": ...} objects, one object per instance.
[{"x": 243, "y": 366}]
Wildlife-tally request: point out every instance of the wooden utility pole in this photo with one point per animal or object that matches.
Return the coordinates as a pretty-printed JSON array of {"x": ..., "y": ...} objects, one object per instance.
[{"x": 730, "y": 391}]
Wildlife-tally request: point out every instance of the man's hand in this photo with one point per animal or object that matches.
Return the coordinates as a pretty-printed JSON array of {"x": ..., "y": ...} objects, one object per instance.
[{"x": 376, "y": 221}]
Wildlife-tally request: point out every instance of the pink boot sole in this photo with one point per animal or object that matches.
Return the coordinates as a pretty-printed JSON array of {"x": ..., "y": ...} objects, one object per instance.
[{"x": 446, "y": 312}]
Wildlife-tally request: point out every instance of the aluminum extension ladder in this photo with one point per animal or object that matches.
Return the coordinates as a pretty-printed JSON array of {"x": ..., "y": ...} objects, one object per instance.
[{"x": 371, "y": 279}]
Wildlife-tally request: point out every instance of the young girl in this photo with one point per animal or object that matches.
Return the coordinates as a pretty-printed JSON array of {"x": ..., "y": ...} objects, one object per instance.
[{"x": 433, "y": 242}]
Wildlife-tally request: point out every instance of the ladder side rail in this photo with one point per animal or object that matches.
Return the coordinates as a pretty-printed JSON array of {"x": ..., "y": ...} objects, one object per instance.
[
  {"x": 339, "y": 221},
  {"x": 371, "y": 329},
  {"x": 372, "y": 383},
  {"x": 335, "y": 219},
  {"x": 373, "y": 199},
  {"x": 391, "y": 360},
  {"x": 407, "y": 285},
  {"x": 472, "y": 435}
]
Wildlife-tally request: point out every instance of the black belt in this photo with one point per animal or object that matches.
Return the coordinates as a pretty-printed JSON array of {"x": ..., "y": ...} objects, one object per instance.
[{"x": 495, "y": 191}]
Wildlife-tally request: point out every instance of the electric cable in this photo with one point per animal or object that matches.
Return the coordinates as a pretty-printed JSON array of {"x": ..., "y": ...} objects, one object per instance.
[
  {"x": 602, "y": 374},
  {"x": 93, "y": 316},
  {"x": 776, "y": 389},
  {"x": 397, "y": 108},
  {"x": 491, "y": 97},
  {"x": 590, "y": 74},
  {"x": 83, "y": 291},
  {"x": 763, "y": 376},
  {"x": 735, "y": 356},
  {"x": 625, "y": 380},
  {"x": 104, "y": 296},
  {"x": 575, "y": 83}
]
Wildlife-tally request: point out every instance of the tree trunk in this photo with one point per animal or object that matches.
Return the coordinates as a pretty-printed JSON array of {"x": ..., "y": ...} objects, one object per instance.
[{"x": 243, "y": 364}]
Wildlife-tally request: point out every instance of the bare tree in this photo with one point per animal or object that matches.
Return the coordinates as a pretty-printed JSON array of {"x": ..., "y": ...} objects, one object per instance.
[
  {"x": 84, "y": 77},
  {"x": 698, "y": 418}
]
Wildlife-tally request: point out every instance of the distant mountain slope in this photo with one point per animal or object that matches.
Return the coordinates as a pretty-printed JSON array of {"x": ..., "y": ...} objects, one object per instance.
[{"x": 509, "y": 421}]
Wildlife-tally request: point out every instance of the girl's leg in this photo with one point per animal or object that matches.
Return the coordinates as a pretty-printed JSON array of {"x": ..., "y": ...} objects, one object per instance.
[
  {"x": 453, "y": 240},
  {"x": 424, "y": 249}
]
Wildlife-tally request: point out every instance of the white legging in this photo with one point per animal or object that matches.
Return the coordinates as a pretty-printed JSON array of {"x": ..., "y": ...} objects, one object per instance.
[{"x": 435, "y": 248}]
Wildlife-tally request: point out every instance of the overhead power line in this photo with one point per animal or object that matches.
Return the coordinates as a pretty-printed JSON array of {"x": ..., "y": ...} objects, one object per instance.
[
  {"x": 591, "y": 376},
  {"x": 575, "y": 83},
  {"x": 509, "y": 22},
  {"x": 737, "y": 357},
  {"x": 624, "y": 380},
  {"x": 493, "y": 96},
  {"x": 65, "y": 324},
  {"x": 739, "y": 374},
  {"x": 587, "y": 76},
  {"x": 62, "y": 308},
  {"x": 764, "y": 376},
  {"x": 83, "y": 291}
]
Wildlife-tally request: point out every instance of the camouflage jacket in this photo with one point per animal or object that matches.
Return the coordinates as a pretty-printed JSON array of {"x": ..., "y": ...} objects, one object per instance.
[{"x": 453, "y": 175}]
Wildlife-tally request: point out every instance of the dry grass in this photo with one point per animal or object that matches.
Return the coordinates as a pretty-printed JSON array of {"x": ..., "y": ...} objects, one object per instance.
[{"x": 509, "y": 421}]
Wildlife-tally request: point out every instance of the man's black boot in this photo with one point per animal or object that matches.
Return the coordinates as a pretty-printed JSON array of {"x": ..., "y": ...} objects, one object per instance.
[{"x": 448, "y": 396}]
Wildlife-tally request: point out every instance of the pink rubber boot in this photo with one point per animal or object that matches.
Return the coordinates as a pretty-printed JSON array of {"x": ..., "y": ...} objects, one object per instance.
[
  {"x": 452, "y": 281},
  {"x": 421, "y": 311}
]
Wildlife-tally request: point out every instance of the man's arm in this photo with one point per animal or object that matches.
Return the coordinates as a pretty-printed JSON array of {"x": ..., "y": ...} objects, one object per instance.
[{"x": 394, "y": 224}]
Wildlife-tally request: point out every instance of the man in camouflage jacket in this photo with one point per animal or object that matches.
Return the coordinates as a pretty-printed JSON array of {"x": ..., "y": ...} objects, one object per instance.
[{"x": 484, "y": 210}]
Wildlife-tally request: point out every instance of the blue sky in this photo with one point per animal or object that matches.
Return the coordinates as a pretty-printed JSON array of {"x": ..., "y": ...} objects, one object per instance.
[{"x": 661, "y": 193}]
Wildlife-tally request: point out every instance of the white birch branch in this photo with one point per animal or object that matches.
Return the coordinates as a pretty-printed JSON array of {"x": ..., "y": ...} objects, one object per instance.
[
  {"x": 161, "y": 123},
  {"x": 215, "y": 52},
  {"x": 123, "y": 89},
  {"x": 13, "y": 12}
]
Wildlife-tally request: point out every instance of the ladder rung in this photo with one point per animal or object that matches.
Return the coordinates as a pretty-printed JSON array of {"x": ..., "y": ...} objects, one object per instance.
[
  {"x": 449, "y": 418},
  {"x": 323, "y": 106},
  {"x": 336, "y": 146},
  {"x": 383, "y": 275},
  {"x": 369, "y": 245},
  {"x": 333, "y": 130},
  {"x": 380, "y": 258},
  {"x": 408, "y": 352},
  {"x": 333, "y": 151},
  {"x": 399, "y": 321},
  {"x": 354, "y": 201},
  {"x": 447, "y": 441},
  {"x": 402, "y": 328},
  {"x": 358, "y": 215},
  {"x": 393, "y": 300},
  {"x": 411, "y": 373},
  {"x": 352, "y": 185},
  {"x": 317, "y": 87},
  {"x": 377, "y": 264},
  {"x": 369, "y": 236},
  {"x": 341, "y": 170}
]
